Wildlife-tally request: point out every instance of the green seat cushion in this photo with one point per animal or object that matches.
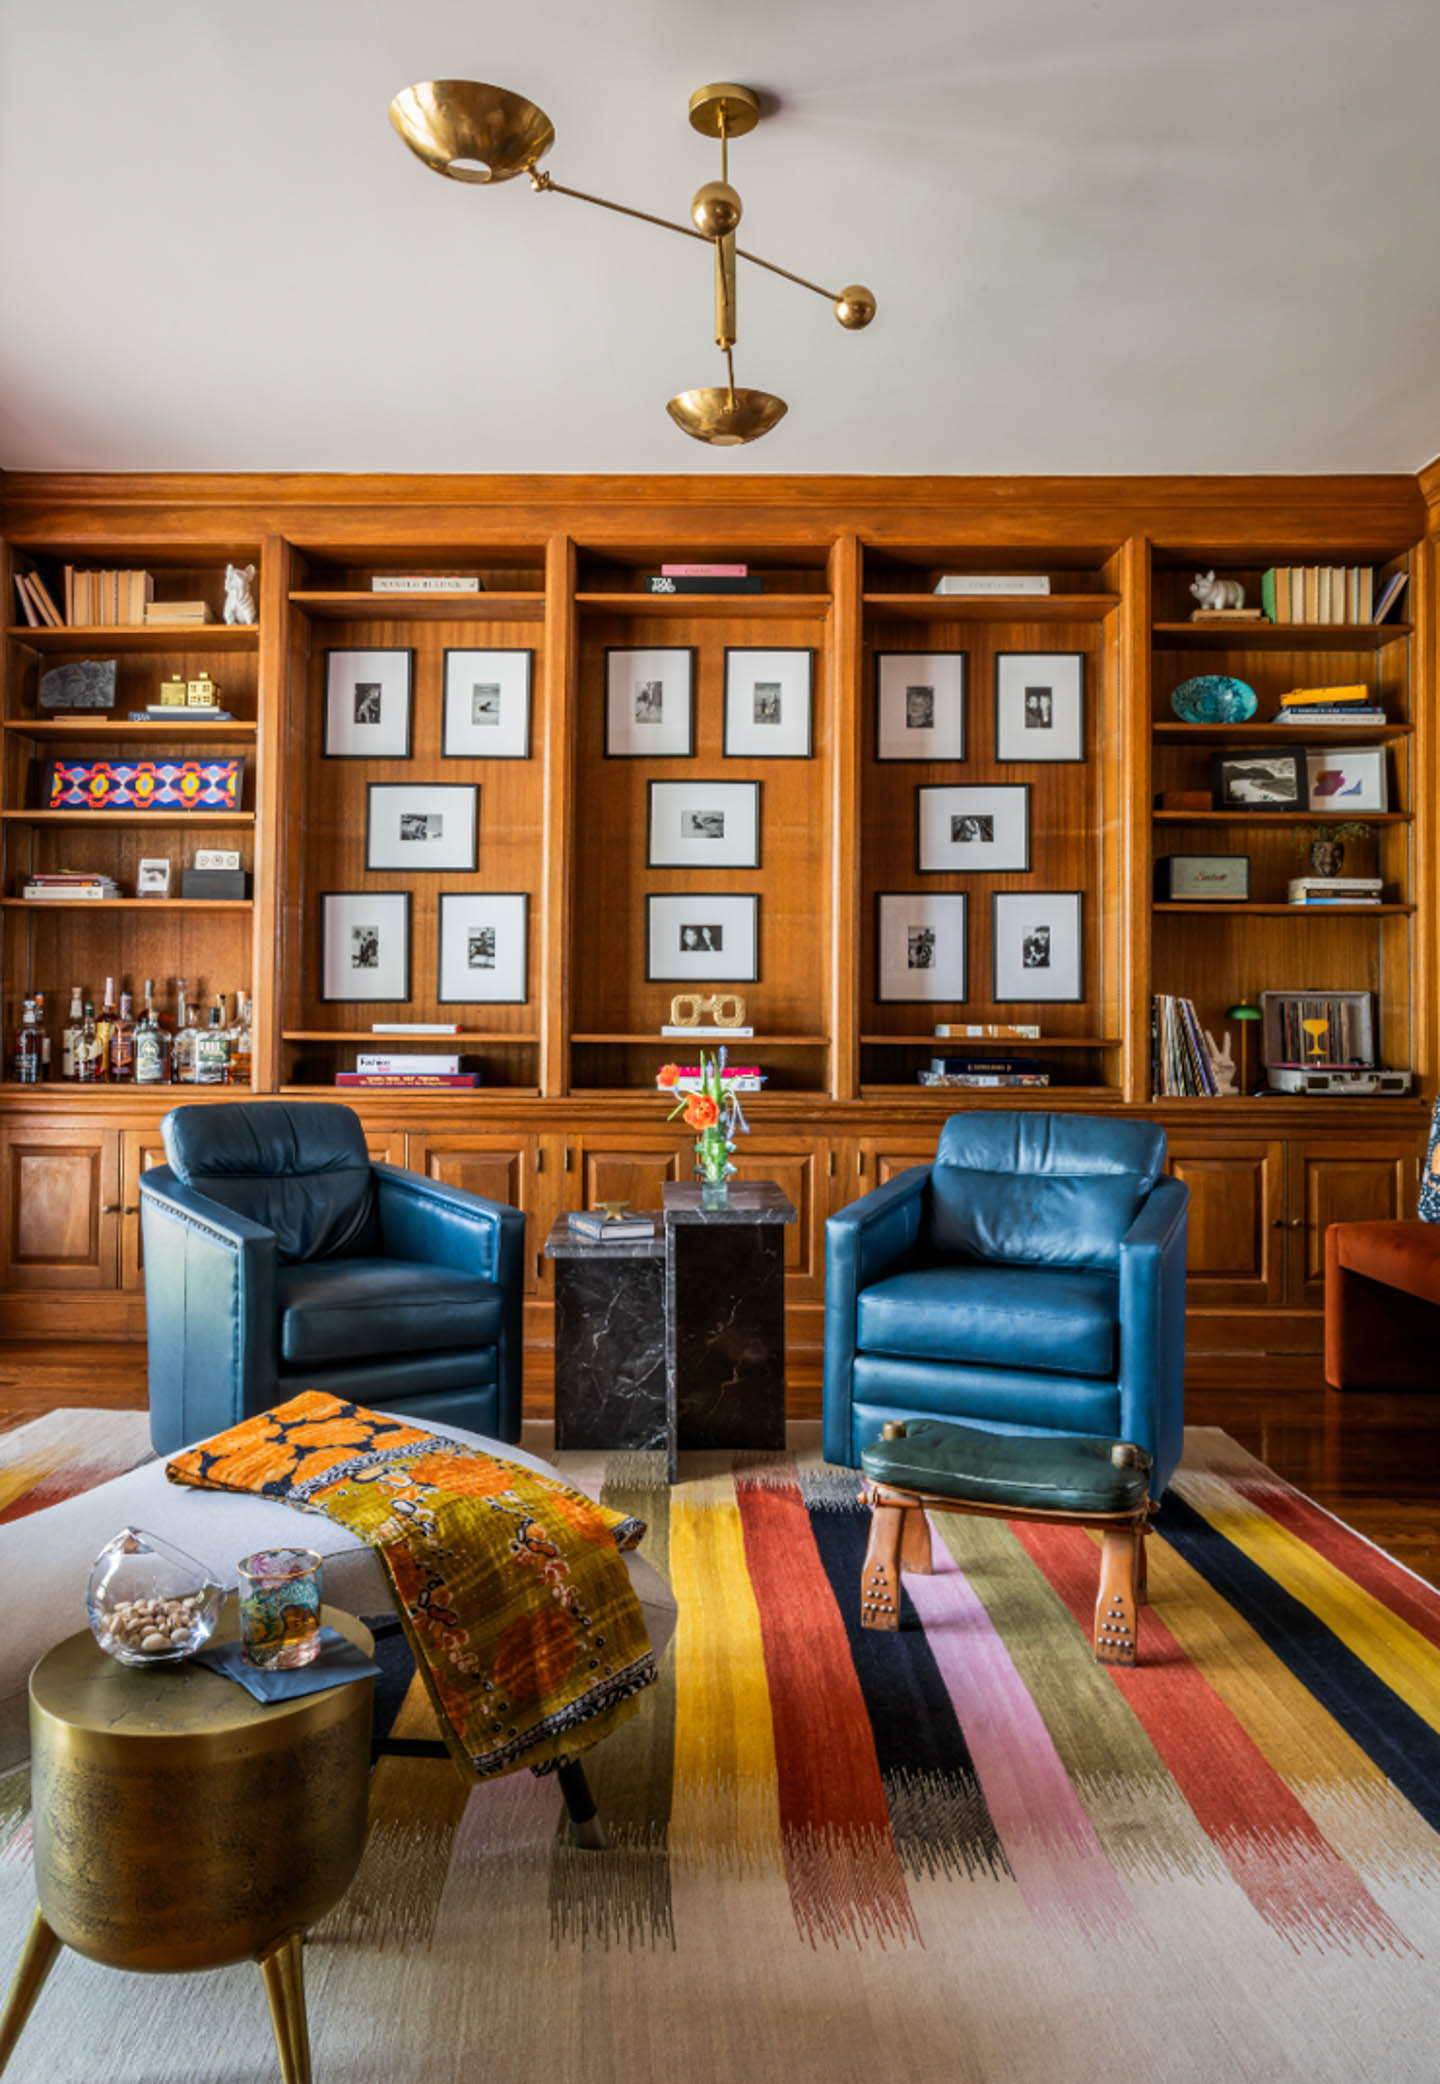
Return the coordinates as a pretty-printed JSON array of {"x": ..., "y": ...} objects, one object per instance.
[{"x": 1024, "y": 1472}]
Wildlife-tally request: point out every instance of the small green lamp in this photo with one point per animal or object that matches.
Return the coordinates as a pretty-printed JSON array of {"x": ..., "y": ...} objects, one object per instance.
[{"x": 1243, "y": 1015}]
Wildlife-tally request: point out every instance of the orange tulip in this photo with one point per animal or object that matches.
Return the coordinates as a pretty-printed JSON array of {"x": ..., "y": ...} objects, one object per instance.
[
  {"x": 667, "y": 1074},
  {"x": 701, "y": 1111}
]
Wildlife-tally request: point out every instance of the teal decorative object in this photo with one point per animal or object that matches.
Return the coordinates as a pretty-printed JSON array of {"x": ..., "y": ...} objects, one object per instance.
[{"x": 1214, "y": 698}]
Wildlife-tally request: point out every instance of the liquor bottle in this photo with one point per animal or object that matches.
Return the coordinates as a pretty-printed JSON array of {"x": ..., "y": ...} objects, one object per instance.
[
  {"x": 104, "y": 1029},
  {"x": 87, "y": 1047},
  {"x": 122, "y": 1043},
  {"x": 240, "y": 1044},
  {"x": 187, "y": 1037},
  {"x": 26, "y": 1065},
  {"x": 71, "y": 1034},
  {"x": 152, "y": 1043},
  {"x": 44, "y": 1038},
  {"x": 212, "y": 1058}
]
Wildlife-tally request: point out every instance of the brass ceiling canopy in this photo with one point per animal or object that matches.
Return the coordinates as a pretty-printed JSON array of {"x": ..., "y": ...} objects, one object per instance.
[{"x": 472, "y": 132}]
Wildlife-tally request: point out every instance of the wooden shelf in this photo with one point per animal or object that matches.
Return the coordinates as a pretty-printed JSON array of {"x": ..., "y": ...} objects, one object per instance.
[
  {"x": 421, "y": 607},
  {"x": 1277, "y": 734},
  {"x": 111, "y": 727},
  {"x": 999, "y": 1045},
  {"x": 709, "y": 607},
  {"x": 715, "y": 1041},
  {"x": 67, "y": 1093},
  {"x": 992, "y": 607},
  {"x": 415, "y": 1095},
  {"x": 1276, "y": 636},
  {"x": 785, "y": 1095},
  {"x": 1275, "y": 911},
  {"x": 127, "y": 904},
  {"x": 1003, "y": 1095},
  {"x": 434, "y": 1043},
  {"x": 128, "y": 817},
  {"x": 143, "y": 636},
  {"x": 1281, "y": 817}
]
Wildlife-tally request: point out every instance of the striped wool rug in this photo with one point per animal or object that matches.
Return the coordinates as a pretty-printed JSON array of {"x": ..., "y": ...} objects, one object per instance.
[
  {"x": 963, "y": 1853},
  {"x": 64, "y": 1453}
]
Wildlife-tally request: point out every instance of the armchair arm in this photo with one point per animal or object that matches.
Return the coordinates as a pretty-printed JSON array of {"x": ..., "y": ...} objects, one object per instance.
[
  {"x": 1152, "y": 1328},
  {"x": 210, "y": 1312},
  {"x": 444, "y": 1226},
  {"x": 874, "y": 1236}
]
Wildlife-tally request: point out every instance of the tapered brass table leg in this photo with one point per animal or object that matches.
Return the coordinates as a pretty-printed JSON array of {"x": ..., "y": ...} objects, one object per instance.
[
  {"x": 283, "y": 1968},
  {"x": 40, "y": 1953}
]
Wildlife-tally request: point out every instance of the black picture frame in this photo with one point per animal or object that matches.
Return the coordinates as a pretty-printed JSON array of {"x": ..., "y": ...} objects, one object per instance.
[
  {"x": 980, "y": 868},
  {"x": 1003, "y": 898},
  {"x": 422, "y": 868},
  {"x": 524, "y": 651},
  {"x": 685, "y": 783},
  {"x": 402, "y": 998},
  {"x": 471, "y": 897},
  {"x": 1031, "y": 757},
  {"x": 1279, "y": 760},
  {"x": 731, "y": 976},
  {"x": 689, "y": 652},
  {"x": 806, "y": 651},
  {"x": 927, "y": 898},
  {"x": 334, "y": 651},
  {"x": 884, "y": 759}
]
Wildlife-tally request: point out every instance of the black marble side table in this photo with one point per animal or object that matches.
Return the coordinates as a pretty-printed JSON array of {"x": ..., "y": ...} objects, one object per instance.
[
  {"x": 609, "y": 1342},
  {"x": 725, "y": 1316}
]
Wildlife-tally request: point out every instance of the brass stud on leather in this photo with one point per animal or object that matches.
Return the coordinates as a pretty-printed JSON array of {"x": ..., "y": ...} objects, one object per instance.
[{"x": 893, "y": 1429}]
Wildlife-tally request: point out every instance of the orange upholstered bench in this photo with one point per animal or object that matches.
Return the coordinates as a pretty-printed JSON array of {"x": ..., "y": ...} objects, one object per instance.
[{"x": 1382, "y": 1305}]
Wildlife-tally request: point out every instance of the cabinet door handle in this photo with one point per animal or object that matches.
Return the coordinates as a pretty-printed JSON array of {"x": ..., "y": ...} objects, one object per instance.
[
  {"x": 109, "y": 1208},
  {"x": 133, "y": 1209}
]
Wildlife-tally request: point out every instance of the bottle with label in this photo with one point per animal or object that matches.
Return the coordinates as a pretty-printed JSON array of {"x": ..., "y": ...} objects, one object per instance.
[
  {"x": 122, "y": 1043},
  {"x": 71, "y": 1034},
  {"x": 240, "y": 1041},
  {"x": 44, "y": 1038},
  {"x": 212, "y": 1058},
  {"x": 26, "y": 1063},
  {"x": 187, "y": 1037},
  {"x": 152, "y": 1043},
  {"x": 87, "y": 1047},
  {"x": 105, "y": 1028}
]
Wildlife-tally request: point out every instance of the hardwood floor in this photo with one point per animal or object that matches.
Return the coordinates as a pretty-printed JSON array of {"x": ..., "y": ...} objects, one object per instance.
[{"x": 1372, "y": 1459}]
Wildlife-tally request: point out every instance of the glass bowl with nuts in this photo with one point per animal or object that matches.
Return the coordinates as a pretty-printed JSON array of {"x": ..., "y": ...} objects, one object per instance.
[{"x": 148, "y": 1602}]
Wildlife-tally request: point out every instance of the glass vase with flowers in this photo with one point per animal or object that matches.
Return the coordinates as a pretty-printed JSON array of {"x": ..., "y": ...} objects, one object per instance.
[{"x": 710, "y": 1105}]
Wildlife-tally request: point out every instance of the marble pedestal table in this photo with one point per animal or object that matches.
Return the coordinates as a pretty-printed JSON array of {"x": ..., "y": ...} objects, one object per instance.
[{"x": 609, "y": 1342}]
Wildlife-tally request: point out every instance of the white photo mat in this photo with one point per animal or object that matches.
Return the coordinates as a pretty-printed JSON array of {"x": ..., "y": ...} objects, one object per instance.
[
  {"x": 702, "y": 937},
  {"x": 422, "y": 827},
  {"x": 920, "y": 705},
  {"x": 1036, "y": 946},
  {"x": 1039, "y": 705},
  {"x": 971, "y": 829},
  {"x": 365, "y": 945},
  {"x": 487, "y": 705},
  {"x": 650, "y": 703},
  {"x": 367, "y": 704},
  {"x": 920, "y": 946},
  {"x": 483, "y": 948},
  {"x": 699, "y": 824},
  {"x": 768, "y": 704}
]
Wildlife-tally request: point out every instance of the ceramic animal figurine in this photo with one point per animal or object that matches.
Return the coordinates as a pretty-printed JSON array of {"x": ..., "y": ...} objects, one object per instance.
[
  {"x": 1211, "y": 592},
  {"x": 239, "y": 593},
  {"x": 1222, "y": 1063}
]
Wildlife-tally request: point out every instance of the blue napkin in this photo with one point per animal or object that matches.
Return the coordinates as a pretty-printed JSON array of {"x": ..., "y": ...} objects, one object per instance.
[{"x": 338, "y": 1663}]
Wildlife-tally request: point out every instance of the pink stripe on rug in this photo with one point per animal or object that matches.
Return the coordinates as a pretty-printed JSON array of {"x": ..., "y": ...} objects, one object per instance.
[{"x": 1058, "y": 1862}]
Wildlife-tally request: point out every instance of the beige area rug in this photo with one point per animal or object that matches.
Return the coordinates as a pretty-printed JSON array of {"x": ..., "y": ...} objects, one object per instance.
[{"x": 960, "y": 1853}]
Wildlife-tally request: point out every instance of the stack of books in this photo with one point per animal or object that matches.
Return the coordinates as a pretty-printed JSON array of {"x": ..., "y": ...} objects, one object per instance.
[
  {"x": 740, "y": 1078},
  {"x": 983, "y": 585},
  {"x": 703, "y": 578},
  {"x": 36, "y": 606},
  {"x": 407, "y": 1068},
  {"x": 1335, "y": 890},
  {"x": 1335, "y": 593},
  {"x": 1180, "y": 1062},
  {"x": 982, "y": 1071},
  {"x": 990, "y": 1030},
  {"x": 179, "y": 614},
  {"x": 427, "y": 582},
  {"x": 1351, "y": 703},
  {"x": 597, "y": 1228},
  {"x": 69, "y": 887}
]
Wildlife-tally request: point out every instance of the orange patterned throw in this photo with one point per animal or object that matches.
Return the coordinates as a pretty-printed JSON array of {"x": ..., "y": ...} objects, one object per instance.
[{"x": 510, "y": 1586}]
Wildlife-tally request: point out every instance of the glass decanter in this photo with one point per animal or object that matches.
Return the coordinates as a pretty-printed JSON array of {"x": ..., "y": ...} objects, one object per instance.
[{"x": 148, "y": 1602}]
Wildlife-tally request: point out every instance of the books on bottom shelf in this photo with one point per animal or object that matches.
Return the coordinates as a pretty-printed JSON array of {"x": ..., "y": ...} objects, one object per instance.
[
  {"x": 595, "y": 1228},
  {"x": 1180, "y": 1062},
  {"x": 980, "y": 1073},
  {"x": 1334, "y": 890}
]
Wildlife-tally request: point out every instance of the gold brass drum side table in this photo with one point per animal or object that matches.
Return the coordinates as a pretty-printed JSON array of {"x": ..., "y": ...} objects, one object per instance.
[{"x": 179, "y": 1824}]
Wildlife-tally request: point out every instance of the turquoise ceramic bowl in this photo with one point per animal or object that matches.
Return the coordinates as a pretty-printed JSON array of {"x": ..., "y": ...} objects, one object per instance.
[{"x": 1214, "y": 698}]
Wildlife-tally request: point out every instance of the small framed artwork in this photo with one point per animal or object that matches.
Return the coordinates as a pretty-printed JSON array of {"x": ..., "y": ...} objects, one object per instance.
[
  {"x": 702, "y": 937},
  {"x": 973, "y": 829},
  {"x": 367, "y": 705},
  {"x": 920, "y": 946},
  {"x": 422, "y": 825},
  {"x": 1352, "y": 779},
  {"x": 767, "y": 704},
  {"x": 650, "y": 703},
  {"x": 1040, "y": 705},
  {"x": 152, "y": 879},
  {"x": 365, "y": 945},
  {"x": 703, "y": 825},
  {"x": 1265, "y": 780},
  {"x": 487, "y": 705},
  {"x": 920, "y": 705},
  {"x": 1035, "y": 945},
  {"x": 483, "y": 948}
]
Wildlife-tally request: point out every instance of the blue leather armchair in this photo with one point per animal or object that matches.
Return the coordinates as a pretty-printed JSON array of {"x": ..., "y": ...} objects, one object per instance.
[
  {"x": 1031, "y": 1280},
  {"x": 278, "y": 1258}
]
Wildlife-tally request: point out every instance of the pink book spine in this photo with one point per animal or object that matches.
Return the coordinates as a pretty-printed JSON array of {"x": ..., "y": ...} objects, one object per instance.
[{"x": 704, "y": 571}]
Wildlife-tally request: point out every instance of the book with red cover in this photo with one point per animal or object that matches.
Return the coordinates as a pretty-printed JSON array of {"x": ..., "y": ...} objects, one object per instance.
[
  {"x": 704, "y": 571},
  {"x": 408, "y": 1078}
]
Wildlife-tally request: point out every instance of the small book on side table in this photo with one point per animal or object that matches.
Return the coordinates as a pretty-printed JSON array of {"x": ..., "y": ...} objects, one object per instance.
[{"x": 594, "y": 1227}]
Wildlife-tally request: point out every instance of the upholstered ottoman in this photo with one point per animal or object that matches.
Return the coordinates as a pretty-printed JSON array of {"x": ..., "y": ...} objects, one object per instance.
[
  {"x": 45, "y": 1561},
  {"x": 926, "y": 1466}
]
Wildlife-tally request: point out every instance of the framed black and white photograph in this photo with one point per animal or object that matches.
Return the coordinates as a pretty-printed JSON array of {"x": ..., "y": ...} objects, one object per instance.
[
  {"x": 703, "y": 825},
  {"x": 920, "y": 705},
  {"x": 483, "y": 947},
  {"x": 768, "y": 698},
  {"x": 920, "y": 946},
  {"x": 367, "y": 705},
  {"x": 702, "y": 937},
  {"x": 1352, "y": 778},
  {"x": 365, "y": 945},
  {"x": 1040, "y": 705},
  {"x": 422, "y": 825},
  {"x": 1035, "y": 945},
  {"x": 973, "y": 829},
  {"x": 487, "y": 705},
  {"x": 650, "y": 703},
  {"x": 1267, "y": 779}
]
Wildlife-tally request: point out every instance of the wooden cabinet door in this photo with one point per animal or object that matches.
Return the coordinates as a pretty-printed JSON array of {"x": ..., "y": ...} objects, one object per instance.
[
  {"x": 1237, "y": 1233},
  {"x": 139, "y": 1150},
  {"x": 875, "y": 1160},
  {"x": 1370, "y": 1180},
  {"x": 799, "y": 1168},
  {"x": 626, "y": 1168},
  {"x": 387, "y": 1147},
  {"x": 501, "y": 1168},
  {"x": 59, "y": 1207}
]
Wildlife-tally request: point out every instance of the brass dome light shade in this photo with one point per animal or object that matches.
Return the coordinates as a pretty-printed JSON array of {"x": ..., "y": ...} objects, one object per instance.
[
  {"x": 471, "y": 132},
  {"x": 726, "y": 418}
]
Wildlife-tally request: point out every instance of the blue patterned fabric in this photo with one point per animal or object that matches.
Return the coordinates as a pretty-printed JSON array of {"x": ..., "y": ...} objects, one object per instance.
[{"x": 1429, "y": 1209}]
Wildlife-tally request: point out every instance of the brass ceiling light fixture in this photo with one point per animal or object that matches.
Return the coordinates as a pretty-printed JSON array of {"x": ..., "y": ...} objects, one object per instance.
[{"x": 472, "y": 132}]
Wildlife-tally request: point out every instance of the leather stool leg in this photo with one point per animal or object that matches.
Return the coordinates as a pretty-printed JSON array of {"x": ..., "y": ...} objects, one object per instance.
[{"x": 880, "y": 1575}]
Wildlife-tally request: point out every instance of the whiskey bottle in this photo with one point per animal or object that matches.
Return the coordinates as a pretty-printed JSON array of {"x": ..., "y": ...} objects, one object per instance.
[
  {"x": 26, "y": 1063},
  {"x": 212, "y": 1057},
  {"x": 122, "y": 1043},
  {"x": 240, "y": 1041},
  {"x": 87, "y": 1047},
  {"x": 187, "y": 1036},
  {"x": 104, "y": 1029},
  {"x": 152, "y": 1043},
  {"x": 70, "y": 1035},
  {"x": 44, "y": 1038}
]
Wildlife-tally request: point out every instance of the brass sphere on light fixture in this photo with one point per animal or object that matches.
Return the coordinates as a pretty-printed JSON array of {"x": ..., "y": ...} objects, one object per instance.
[
  {"x": 726, "y": 418},
  {"x": 716, "y": 209},
  {"x": 472, "y": 132},
  {"x": 855, "y": 306}
]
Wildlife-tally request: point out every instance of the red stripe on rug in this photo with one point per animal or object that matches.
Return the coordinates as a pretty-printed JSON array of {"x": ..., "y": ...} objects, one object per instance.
[
  {"x": 843, "y": 1871},
  {"x": 68, "y": 1481},
  {"x": 1271, "y": 1844},
  {"x": 1370, "y": 1568}
]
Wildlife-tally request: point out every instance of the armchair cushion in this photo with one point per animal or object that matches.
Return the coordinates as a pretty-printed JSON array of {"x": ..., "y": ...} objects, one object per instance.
[
  {"x": 299, "y": 1169},
  {"x": 1040, "y": 1190},
  {"x": 1059, "y": 1318},
  {"x": 349, "y": 1309}
]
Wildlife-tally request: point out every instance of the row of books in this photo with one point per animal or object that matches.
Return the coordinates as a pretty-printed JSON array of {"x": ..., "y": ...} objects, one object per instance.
[
  {"x": 1332, "y": 593},
  {"x": 982, "y": 1072},
  {"x": 1348, "y": 702},
  {"x": 1335, "y": 890},
  {"x": 103, "y": 600},
  {"x": 1180, "y": 1062}
]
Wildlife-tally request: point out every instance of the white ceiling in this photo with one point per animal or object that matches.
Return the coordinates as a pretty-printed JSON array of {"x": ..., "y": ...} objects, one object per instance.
[{"x": 1105, "y": 235}]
